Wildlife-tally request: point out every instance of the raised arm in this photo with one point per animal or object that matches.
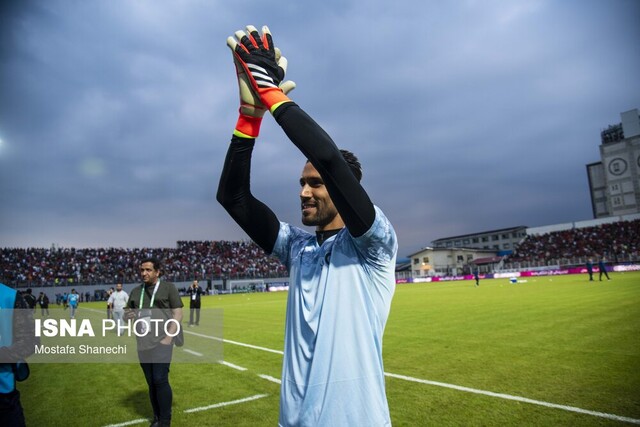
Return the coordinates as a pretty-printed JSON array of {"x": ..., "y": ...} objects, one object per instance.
[
  {"x": 234, "y": 189},
  {"x": 234, "y": 194},
  {"x": 263, "y": 70}
]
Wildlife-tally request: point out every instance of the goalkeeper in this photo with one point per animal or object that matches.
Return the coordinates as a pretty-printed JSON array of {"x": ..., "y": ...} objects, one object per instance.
[{"x": 341, "y": 278}]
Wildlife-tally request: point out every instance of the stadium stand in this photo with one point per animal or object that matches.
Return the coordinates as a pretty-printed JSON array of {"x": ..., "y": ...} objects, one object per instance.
[
  {"x": 189, "y": 260},
  {"x": 618, "y": 242}
]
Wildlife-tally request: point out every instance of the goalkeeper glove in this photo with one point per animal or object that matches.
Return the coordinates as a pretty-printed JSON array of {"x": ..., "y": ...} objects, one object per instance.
[
  {"x": 251, "y": 109},
  {"x": 263, "y": 67}
]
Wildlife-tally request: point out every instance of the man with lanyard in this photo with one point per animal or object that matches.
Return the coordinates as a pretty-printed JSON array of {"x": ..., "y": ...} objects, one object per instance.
[
  {"x": 117, "y": 302},
  {"x": 341, "y": 279},
  {"x": 194, "y": 292},
  {"x": 156, "y": 299},
  {"x": 17, "y": 341}
]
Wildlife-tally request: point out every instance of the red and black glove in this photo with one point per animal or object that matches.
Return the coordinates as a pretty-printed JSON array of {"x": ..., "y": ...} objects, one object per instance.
[
  {"x": 251, "y": 108},
  {"x": 263, "y": 66}
]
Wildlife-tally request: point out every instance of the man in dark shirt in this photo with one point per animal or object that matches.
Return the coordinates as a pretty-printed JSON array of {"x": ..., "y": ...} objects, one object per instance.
[
  {"x": 603, "y": 269},
  {"x": 156, "y": 300},
  {"x": 43, "y": 300},
  {"x": 194, "y": 292},
  {"x": 30, "y": 299}
]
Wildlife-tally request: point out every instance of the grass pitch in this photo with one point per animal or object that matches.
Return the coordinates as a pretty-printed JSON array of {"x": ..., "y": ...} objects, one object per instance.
[{"x": 551, "y": 351}]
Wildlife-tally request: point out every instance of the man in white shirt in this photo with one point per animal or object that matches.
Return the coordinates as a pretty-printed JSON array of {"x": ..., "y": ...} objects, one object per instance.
[{"x": 117, "y": 302}]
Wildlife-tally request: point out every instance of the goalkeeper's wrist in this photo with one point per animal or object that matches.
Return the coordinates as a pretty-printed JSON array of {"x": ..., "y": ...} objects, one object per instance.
[
  {"x": 273, "y": 98},
  {"x": 247, "y": 126}
]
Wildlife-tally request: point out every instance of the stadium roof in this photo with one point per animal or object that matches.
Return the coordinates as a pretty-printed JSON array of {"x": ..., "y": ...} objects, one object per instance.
[
  {"x": 488, "y": 260},
  {"x": 500, "y": 230},
  {"x": 457, "y": 249}
]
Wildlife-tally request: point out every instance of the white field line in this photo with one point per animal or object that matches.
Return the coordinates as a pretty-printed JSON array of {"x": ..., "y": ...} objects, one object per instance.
[
  {"x": 231, "y": 365},
  {"x": 219, "y": 405},
  {"x": 517, "y": 398},
  {"x": 94, "y": 310},
  {"x": 195, "y": 353},
  {"x": 130, "y": 423},
  {"x": 407, "y": 378},
  {"x": 270, "y": 378},
  {"x": 255, "y": 347},
  {"x": 457, "y": 387},
  {"x": 202, "y": 408}
]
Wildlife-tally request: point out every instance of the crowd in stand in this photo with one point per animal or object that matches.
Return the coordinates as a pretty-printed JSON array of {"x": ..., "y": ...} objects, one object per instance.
[
  {"x": 243, "y": 259},
  {"x": 613, "y": 241},
  {"x": 189, "y": 260}
]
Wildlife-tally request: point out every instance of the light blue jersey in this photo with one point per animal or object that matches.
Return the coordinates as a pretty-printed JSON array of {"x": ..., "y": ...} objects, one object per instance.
[
  {"x": 338, "y": 303},
  {"x": 72, "y": 299}
]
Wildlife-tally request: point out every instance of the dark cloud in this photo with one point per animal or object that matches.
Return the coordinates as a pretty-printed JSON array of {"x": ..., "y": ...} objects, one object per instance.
[{"x": 115, "y": 116}]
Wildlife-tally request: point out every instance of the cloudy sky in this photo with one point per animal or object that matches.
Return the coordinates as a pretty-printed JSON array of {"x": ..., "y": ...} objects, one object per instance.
[{"x": 467, "y": 115}]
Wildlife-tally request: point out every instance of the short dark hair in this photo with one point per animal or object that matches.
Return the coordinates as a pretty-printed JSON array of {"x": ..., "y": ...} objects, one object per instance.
[
  {"x": 154, "y": 261},
  {"x": 353, "y": 162}
]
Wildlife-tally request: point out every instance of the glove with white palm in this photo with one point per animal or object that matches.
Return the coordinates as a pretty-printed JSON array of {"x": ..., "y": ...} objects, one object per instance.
[
  {"x": 261, "y": 69},
  {"x": 251, "y": 108}
]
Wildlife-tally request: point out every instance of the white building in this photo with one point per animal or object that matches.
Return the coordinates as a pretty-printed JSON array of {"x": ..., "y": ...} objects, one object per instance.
[
  {"x": 430, "y": 262},
  {"x": 614, "y": 181}
]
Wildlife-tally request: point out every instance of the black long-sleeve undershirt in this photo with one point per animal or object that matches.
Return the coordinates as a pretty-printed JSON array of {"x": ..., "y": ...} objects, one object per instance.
[
  {"x": 234, "y": 194},
  {"x": 255, "y": 218}
]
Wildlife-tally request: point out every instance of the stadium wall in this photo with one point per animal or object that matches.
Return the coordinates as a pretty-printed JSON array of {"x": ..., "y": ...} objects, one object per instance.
[
  {"x": 51, "y": 291},
  {"x": 276, "y": 284},
  {"x": 528, "y": 273}
]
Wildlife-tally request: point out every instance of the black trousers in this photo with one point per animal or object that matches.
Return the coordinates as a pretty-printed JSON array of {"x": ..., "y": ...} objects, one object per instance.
[
  {"x": 11, "y": 414},
  {"x": 155, "y": 364},
  {"x": 194, "y": 312}
]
